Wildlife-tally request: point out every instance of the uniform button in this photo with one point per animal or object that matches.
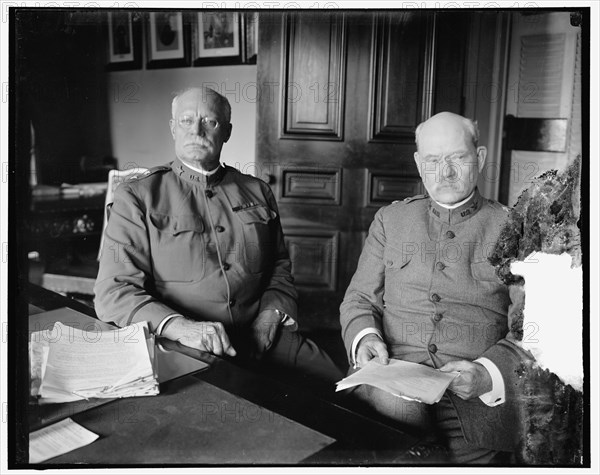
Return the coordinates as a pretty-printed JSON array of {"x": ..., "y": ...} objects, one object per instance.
[
  {"x": 435, "y": 298},
  {"x": 208, "y": 193},
  {"x": 450, "y": 234},
  {"x": 226, "y": 266},
  {"x": 437, "y": 317},
  {"x": 390, "y": 263},
  {"x": 440, "y": 266},
  {"x": 432, "y": 348},
  {"x": 232, "y": 302},
  {"x": 219, "y": 229}
]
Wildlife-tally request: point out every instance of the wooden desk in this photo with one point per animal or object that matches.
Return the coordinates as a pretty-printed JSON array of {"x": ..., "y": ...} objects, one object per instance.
[{"x": 168, "y": 428}]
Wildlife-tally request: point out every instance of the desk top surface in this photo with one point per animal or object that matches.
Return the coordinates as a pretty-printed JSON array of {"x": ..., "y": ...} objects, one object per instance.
[{"x": 295, "y": 425}]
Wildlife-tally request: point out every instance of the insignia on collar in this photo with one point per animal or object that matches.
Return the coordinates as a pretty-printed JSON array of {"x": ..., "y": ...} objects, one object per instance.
[{"x": 436, "y": 212}]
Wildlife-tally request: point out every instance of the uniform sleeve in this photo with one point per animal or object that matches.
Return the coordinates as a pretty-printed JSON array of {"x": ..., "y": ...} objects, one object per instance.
[
  {"x": 508, "y": 354},
  {"x": 121, "y": 294},
  {"x": 362, "y": 306},
  {"x": 280, "y": 292}
]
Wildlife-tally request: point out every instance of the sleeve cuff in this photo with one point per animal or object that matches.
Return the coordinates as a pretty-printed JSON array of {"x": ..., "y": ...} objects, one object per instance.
[
  {"x": 497, "y": 395},
  {"x": 358, "y": 337},
  {"x": 164, "y": 322}
]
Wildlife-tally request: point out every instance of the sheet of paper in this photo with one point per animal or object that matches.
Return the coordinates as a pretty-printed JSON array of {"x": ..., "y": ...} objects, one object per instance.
[
  {"x": 87, "y": 364},
  {"x": 58, "y": 439},
  {"x": 402, "y": 378}
]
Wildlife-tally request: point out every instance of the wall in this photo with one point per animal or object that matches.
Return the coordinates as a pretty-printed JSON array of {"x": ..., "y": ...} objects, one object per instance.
[{"x": 140, "y": 109}]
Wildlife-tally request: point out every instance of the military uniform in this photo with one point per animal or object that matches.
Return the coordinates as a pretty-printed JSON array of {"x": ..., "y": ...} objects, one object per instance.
[
  {"x": 208, "y": 247},
  {"x": 423, "y": 281}
]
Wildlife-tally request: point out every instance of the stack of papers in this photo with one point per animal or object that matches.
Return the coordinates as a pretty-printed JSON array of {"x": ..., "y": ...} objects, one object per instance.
[
  {"x": 411, "y": 381},
  {"x": 69, "y": 364}
]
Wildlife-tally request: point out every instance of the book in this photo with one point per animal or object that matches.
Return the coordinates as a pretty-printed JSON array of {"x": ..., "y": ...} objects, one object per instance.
[{"x": 404, "y": 379}]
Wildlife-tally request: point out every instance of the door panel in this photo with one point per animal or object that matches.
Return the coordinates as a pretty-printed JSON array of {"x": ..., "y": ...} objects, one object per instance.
[
  {"x": 315, "y": 57},
  {"x": 396, "y": 80}
]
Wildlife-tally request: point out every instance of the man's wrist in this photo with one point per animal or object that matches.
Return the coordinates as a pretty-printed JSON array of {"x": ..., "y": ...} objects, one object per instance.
[{"x": 169, "y": 329}]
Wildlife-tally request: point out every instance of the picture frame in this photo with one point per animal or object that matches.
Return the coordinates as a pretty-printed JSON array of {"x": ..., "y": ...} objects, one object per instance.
[
  {"x": 167, "y": 36},
  {"x": 218, "y": 38},
  {"x": 250, "y": 37},
  {"x": 124, "y": 32}
]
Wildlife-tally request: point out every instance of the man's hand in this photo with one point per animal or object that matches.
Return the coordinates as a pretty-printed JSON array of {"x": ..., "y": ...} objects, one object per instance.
[
  {"x": 264, "y": 330},
  {"x": 369, "y": 347},
  {"x": 473, "y": 381},
  {"x": 204, "y": 336}
]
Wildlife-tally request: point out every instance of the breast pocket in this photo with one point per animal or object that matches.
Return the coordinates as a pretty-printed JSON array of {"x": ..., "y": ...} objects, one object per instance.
[
  {"x": 177, "y": 247},
  {"x": 484, "y": 271},
  {"x": 257, "y": 224},
  {"x": 490, "y": 289},
  {"x": 397, "y": 265}
]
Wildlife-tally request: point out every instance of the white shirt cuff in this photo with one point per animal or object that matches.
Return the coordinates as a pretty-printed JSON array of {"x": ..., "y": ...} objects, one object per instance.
[
  {"x": 286, "y": 320},
  {"x": 358, "y": 337},
  {"x": 164, "y": 321},
  {"x": 497, "y": 395}
]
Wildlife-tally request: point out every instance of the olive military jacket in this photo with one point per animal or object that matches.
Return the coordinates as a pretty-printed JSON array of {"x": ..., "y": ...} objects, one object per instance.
[
  {"x": 423, "y": 280},
  {"x": 208, "y": 247}
]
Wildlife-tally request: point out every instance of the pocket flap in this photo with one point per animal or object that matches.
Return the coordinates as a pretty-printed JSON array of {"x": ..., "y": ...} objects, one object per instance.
[
  {"x": 483, "y": 270},
  {"x": 178, "y": 224},
  {"x": 257, "y": 214}
]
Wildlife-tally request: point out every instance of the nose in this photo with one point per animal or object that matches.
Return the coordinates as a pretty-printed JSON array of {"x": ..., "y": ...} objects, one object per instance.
[
  {"x": 198, "y": 128},
  {"x": 450, "y": 170}
]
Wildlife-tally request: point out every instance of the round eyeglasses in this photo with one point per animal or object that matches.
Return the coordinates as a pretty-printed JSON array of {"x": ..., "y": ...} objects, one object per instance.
[{"x": 186, "y": 122}]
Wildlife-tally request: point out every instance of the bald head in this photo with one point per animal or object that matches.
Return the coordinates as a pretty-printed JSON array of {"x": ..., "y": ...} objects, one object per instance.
[
  {"x": 448, "y": 156},
  {"x": 452, "y": 123},
  {"x": 204, "y": 94}
]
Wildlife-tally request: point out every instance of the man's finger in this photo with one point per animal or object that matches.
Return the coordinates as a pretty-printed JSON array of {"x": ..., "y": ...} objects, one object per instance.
[
  {"x": 364, "y": 355},
  {"x": 453, "y": 366},
  {"x": 216, "y": 344},
  {"x": 382, "y": 352},
  {"x": 224, "y": 342}
]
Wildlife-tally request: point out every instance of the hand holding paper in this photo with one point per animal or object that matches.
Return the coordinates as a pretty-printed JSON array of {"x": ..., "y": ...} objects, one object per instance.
[{"x": 402, "y": 378}]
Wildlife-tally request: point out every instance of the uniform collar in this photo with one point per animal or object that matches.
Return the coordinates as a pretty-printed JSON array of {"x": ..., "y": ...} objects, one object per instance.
[
  {"x": 193, "y": 176},
  {"x": 459, "y": 214}
]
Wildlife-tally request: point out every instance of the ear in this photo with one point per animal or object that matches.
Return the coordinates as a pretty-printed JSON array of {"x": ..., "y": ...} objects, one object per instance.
[
  {"x": 228, "y": 133},
  {"x": 417, "y": 161},
  {"x": 172, "y": 126},
  {"x": 481, "y": 156}
]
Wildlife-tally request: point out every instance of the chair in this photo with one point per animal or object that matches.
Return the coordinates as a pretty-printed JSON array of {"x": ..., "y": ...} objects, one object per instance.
[
  {"x": 78, "y": 279},
  {"x": 116, "y": 177}
]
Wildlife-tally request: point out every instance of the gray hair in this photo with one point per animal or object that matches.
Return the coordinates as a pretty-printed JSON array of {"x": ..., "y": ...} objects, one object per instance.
[
  {"x": 222, "y": 101},
  {"x": 470, "y": 126}
]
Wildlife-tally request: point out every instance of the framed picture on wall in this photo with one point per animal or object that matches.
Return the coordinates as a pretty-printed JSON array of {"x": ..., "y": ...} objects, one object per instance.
[
  {"x": 217, "y": 38},
  {"x": 124, "y": 41},
  {"x": 250, "y": 37},
  {"x": 167, "y": 40}
]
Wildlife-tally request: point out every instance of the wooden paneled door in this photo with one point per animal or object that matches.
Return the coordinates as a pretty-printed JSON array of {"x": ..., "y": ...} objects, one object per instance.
[{"x": 340, "y": 97}]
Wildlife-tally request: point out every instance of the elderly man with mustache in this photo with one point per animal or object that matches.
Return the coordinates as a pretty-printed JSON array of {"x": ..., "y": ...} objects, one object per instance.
[
  {"x": 425, "y": 292},
  {"x": 195, "y": 248}
]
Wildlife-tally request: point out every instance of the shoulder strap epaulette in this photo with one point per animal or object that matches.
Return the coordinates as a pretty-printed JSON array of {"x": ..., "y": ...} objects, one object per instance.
[
  {"x": 496, "y": 204},
  {"x": 146, "y": 173},
  {"x": 410, "y": 199}
]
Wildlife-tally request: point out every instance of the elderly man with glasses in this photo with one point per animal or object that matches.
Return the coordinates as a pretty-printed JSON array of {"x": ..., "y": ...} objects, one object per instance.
[
  {"x": 195, "y": 248},
  {"x": 425, "y": 292}
]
